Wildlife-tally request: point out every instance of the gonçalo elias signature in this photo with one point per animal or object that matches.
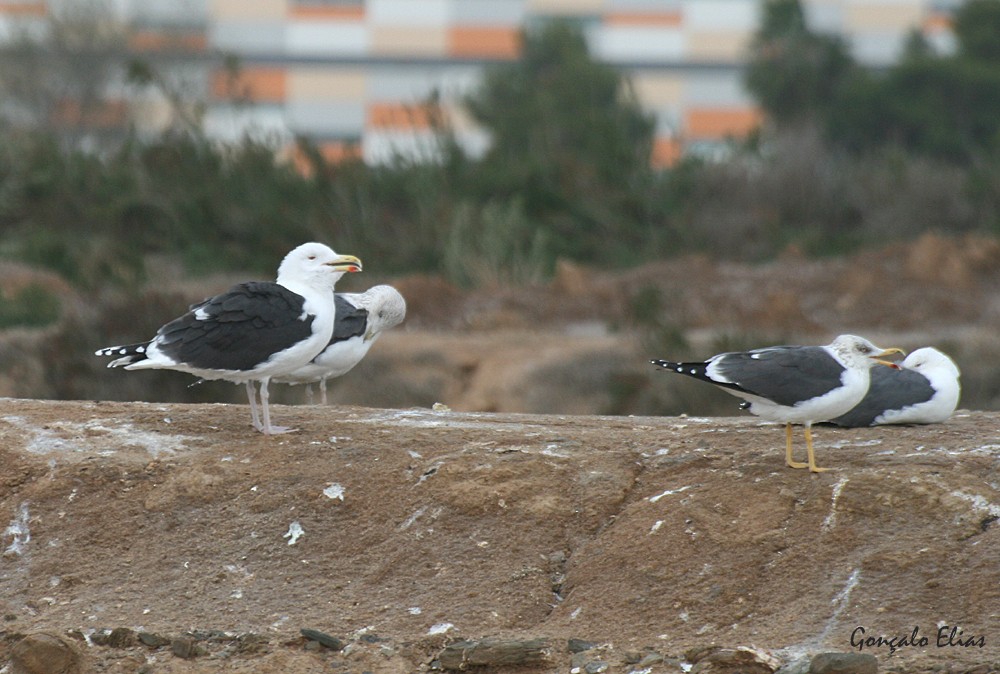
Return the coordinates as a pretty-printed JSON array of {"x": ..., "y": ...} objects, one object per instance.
[{"x": 946, "y": 637}]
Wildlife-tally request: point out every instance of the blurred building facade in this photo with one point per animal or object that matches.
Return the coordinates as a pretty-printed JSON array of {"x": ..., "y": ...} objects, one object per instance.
[{"x": 351, "y": 74}]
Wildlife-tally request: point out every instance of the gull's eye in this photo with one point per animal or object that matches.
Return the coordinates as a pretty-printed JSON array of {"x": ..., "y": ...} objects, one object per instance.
[
  {"x": 864, "y": 348},
  {"x": 312, "y": 257}
]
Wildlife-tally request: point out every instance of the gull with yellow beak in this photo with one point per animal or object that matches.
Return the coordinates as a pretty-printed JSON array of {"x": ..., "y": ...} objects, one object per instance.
[
  {"x": 252, "y": 332},
  {"x": 794, "y": 384}
]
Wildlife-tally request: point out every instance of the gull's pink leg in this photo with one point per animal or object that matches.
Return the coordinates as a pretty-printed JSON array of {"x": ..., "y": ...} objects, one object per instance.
[
  {"x": 268, "y": 429},
  {"x": 252, "y": 397},
  {"x": 322, "y": 391}
]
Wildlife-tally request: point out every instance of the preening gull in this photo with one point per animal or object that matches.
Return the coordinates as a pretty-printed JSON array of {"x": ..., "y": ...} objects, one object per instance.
[
  {"x": 924, "y": 390},
  {"x": 794, "y": 384},
  {"x": 361, "y": 319},
  {"x": 252, "y": 332}
]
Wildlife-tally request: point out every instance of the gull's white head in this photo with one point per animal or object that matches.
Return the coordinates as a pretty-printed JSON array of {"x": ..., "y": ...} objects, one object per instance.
[
  {"x": 316, "y": 266},
  {"x": 929, "y": 359},
  {"x": 386, "y": 308},
  {"x": 857, "y": 352}
]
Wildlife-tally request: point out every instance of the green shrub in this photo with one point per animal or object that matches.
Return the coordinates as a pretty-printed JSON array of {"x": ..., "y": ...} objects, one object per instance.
[{"x": 32, "y": 307}]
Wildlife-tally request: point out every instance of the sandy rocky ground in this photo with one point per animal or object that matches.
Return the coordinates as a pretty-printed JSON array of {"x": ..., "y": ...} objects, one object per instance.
[
  {"x": 169, "y": 538},
  {"x": 164, "y": 538}
]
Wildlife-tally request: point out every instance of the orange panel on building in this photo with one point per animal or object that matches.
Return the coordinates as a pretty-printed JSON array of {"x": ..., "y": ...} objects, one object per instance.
[
  {"x": 397, "y": 116},
  {"x": 148, "y": 40},
  {"x": 328, "y": 12},
  {"x": 332, "y": 152},
  {"x": 666, "y": 152},
  {"x": 484, "y": 41},
  {"x": 654, "y": 19},
  {"x": 934, "y": 23},
  {"x": 340, "y": 150},
  {"x": 103, "y": 115},
  {"x": 716, "y": 123},
  {"x": 262, "y": 85},
  {"x": 23, "y": 8}
]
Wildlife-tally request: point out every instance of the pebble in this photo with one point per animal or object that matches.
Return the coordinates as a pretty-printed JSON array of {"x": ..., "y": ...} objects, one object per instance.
[
  {"x": 321, "y": 637},
  {"x": 119, "y": 637},
  {"x": 798, "y": 666},
  {"x": 579, "y": 645},
  {"x": 596, "y": 667},
  {"x": 153, "y": 640},
  {"x": 650, "y": 659},
  {"x": 743, "y": 659},
  {"x": 43, "y": 653},
  {"x": 462, "y": 655},
  {"x": 186, "y": 647},
  {"x": 843, "y": 663}
]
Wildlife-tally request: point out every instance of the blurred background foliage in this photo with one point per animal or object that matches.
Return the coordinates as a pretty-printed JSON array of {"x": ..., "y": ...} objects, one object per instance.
[{"x": 848, "y": 157}]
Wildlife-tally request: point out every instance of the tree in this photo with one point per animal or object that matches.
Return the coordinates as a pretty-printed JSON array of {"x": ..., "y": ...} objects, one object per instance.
[
  {"x": 977, "y": 25},
  {"x": 569, "y": 142},
  {"x": 55, "y": 76},
  {"x": 794, "y": 72},
  {"x": 939, "y": 106}
]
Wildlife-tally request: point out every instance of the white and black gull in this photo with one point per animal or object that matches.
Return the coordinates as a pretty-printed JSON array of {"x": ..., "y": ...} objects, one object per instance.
[
  {"x": 361, "y": 319},
  {"x": 924, "y": 390},
  {"x": 254, "y": 331},
  {"x": 794, "y": 384}
]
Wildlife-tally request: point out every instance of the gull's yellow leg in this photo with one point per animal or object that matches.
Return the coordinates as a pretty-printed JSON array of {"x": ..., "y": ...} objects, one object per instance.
[
  {"x": 788, "y": 449},
  {"x": 809, "y": 452}
]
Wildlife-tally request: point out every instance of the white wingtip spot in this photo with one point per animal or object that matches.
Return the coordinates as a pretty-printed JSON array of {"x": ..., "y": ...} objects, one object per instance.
[
  {"x": 122, "y": 351},
  {"x": 140, "y": 349}
]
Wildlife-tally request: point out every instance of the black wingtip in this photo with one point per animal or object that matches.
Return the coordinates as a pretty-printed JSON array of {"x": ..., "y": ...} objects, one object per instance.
[{"x": 125, "y": 354}]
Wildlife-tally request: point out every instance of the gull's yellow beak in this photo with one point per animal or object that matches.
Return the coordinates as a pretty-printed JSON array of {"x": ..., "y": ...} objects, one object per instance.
[
  {"x": 894, "y": 351},
  {"x": 346, "y": 263}
]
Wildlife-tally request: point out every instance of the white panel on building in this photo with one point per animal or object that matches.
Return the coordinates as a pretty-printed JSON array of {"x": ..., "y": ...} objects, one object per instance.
[
  {"x": 877, "y": 48},
  {"x": 385, "y": 146},
  {"x": 409, "y": 12},
  {"x": 630, "y": 43},
  {"x": 717, "y": 89},
  {"x": 824, "y": 16},
  {"x": 247, "y": 36},
  {"x": 721, "y": 15},
  {"x": 488, "y": 12},
  {"x": 415, "y": 83},
  {"x": 327, "y": 38},
  {"x": 652, "y": 6},
  {"x": 18, "y": 27},
  {"x": 328, "y": 119},
  {"x": 167, "y": 12},
  {"x": 669, "y": 121},
  {"x": 232, "y": 124},
  {"x": 566, "y": 6},
  {"x": 943, "y": 42},
  {"x": 248, "y": 10},
  {"x": 475, "y": 142}
]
